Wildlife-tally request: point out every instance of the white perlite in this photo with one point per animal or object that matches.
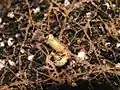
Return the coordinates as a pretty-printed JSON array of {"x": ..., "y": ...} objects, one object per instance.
[
  {"x": 0, "y": 20},
  {"x": 81, "y": 55},
  {"x": 10, "y": 42},
  {"x": 10, "y": 15},
  {"x": 22, "y": 50},
  {"x": 2, "y": 62},
  {"x": 107, "y": 43},
  {"x": 36, "y": 10},
  {"x": 11, "y": 63},
  {"x": 118, "y": 45},
  {"x": 108, "y": 5},
  {"x": 2, "y": 44},
  {"x": 88, "y": 14},
  {"x": 17, "y": 35},
  {"x": 113, "y": 5},
  {"x": 66, "y": 3},
  {"x": 30, "y": 58}
]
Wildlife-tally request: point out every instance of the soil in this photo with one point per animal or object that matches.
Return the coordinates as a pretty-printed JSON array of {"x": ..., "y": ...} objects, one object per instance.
[{"x": 87, "y": 32}]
